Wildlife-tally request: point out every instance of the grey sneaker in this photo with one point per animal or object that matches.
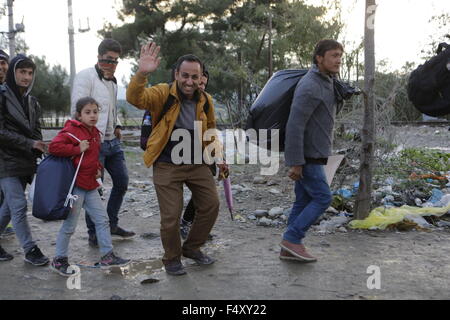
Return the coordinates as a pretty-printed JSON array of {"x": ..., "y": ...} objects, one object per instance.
[
  {"x": 199, "y": 257},
  {"x": 60, "y": 265},
  {"x": 174, "y": 267},
  {"x": 9, "y": 232},
  {"x": 111, "y": 260}
]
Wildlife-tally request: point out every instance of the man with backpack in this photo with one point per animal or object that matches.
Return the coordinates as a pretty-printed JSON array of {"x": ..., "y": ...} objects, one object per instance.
[
  {"x": 169, "y": 177},
  {"x": 99, "y": 83},
  {"x": 20, "y": 145},
  {"x": 309, "y": 136}
]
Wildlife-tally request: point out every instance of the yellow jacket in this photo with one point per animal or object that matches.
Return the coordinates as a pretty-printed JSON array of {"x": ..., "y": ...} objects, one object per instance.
[{"x": 153, "y": 99}]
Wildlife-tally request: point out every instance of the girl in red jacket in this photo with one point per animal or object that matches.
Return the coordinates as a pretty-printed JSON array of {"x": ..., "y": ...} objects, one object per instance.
[{"x": 66, "y": 145}]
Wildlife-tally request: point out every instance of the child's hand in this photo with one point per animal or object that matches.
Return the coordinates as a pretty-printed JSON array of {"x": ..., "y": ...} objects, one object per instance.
[
  {"x": 84, "y": 145},
  {"x": 99, "y": 174}
]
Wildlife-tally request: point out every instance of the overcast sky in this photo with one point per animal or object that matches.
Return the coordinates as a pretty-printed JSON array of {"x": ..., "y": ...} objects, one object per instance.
[{"x": 402, "y": 28}]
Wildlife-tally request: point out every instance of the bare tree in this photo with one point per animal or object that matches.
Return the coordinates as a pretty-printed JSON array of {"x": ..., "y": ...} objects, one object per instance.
[{"x": 363, "y": 199}]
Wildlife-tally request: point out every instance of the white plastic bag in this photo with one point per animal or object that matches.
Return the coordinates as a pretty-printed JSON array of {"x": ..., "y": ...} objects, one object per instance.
[{"x": 31, "y": 190}]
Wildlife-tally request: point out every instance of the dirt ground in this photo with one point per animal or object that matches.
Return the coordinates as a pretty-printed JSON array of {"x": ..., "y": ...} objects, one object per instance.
[{"x": 412, "y": 265}]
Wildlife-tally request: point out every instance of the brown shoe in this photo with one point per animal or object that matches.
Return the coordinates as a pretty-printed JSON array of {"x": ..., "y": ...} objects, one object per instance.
[
  {"x": 297, "y": 250},
  {"x": 285, "y": 255}
]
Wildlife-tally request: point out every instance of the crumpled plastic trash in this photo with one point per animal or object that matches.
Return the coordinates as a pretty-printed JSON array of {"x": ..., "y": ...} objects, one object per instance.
[
  {"x": 331, "y": 224},
  {"x": 436, "y": 196},
  {"x": 345, "y": 193},
  {"x": 381, "y": 217}
]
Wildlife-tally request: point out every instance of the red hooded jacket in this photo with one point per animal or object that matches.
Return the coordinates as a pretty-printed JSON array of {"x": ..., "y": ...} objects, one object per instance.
[{"x": 63, "y": 145}]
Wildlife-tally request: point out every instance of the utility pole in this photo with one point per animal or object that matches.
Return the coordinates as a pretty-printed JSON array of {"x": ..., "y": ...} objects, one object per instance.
[
  {"x": 11, "y": 32},
  {"x": 270, "y": 44},
  {"x": 71, "y": 44}
]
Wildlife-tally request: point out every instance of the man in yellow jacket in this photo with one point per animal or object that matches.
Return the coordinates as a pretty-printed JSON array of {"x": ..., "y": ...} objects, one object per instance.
[{"x": 168, "y": 174}]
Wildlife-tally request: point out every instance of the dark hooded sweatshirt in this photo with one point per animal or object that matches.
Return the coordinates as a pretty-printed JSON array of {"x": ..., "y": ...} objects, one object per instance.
[{"x": 19, "y": 127}]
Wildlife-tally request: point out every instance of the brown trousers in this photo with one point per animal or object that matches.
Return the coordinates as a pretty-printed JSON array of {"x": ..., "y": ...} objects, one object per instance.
[{"x": 169, "y": 179}]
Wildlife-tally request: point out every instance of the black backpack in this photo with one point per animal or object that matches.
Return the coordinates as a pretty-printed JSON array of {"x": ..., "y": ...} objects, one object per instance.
[
  {"x": 146, "y": 127},
  {"x": 272, "y": 106},
  {"x": 429, "y": 84}
]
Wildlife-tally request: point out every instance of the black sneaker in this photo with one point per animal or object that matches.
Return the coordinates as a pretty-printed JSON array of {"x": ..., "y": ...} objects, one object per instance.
[
  {"x": 185, "y": 226},
  {"x": 111, "y": 260},
  {"x": 60, "y": 265},
  {"x": 92, "y": 240},
  {"x": 5, "y": 256},
  {"x": 35, "y": 257},
  {"x": 174, "y": 267},
  {"x": 199, "y": 257},
  {"x": 124, "y": 234}
]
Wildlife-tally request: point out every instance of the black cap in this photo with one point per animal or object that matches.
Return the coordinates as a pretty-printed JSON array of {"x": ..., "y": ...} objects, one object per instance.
[{"x": 4, "y": 56}]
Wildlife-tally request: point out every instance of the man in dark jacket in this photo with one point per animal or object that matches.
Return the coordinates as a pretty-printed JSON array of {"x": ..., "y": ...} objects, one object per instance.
[
  {"x": 20, "y": 145},
  {"x": 309, "y": 138}
]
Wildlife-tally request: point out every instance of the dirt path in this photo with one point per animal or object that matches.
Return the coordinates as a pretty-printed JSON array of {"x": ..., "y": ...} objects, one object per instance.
[{"x": 413, "y": 265}]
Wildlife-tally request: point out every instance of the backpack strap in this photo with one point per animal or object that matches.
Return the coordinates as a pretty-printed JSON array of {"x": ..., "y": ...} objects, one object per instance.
[
  {"x": 206, "y": 105},
  {"x": 166, "y": 107}
]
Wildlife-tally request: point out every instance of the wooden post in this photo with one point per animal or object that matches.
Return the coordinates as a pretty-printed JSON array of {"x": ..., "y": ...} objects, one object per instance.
[{"x": 364, "y": 197}]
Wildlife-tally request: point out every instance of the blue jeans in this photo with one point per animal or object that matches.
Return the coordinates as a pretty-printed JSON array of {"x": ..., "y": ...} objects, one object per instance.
[
  {"x": 14, "y": 207},
  {"x": 312, "y": 198},
  {"x": 92, "y": 203},
  {"x": 113, "y": 160}
]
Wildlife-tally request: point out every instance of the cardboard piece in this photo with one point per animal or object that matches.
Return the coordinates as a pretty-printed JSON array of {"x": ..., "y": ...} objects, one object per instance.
[{"x": 333, "y": 164}]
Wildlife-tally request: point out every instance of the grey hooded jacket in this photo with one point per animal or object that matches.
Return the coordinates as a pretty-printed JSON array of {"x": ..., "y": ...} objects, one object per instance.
[{"x": 309, "y": 131}]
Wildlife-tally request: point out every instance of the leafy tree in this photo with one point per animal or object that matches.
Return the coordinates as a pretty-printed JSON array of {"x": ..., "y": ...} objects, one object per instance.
[
  {"x": 51, "y": 88},
  {"x": 231, "y": 37}
]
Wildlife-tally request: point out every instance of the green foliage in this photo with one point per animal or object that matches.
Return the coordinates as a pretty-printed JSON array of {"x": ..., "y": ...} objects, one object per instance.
[
  {"x": 427, "y": 159},
  {"x": 230, "y": 36},
  {"x": 51, "y": 88},
  {"x": 414, "y": 161}
]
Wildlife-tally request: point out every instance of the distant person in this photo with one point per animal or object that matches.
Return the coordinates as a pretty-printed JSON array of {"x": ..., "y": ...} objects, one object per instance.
[
  {"x": 169, "y": 177},
  {"x": 65, "y": 145},
  {"x": 309, "y": 136},
  {"x": 189, "y": 212},
  {"x": 99, "y": 83},
  {"x": 4, "y": 64},
  {"x": 20, "y": 145}
]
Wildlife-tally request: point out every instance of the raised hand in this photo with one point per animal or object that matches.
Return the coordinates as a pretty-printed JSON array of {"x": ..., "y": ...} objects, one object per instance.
[{"x": 149, "y": 60}]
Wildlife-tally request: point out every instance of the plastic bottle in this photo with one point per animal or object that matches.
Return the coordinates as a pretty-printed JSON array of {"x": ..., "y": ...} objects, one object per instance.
[{"x": 147, "y": 120}]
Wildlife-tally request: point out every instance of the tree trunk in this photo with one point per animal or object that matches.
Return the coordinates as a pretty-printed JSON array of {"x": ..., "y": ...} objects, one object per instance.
[{"x": 363, "y": 200}]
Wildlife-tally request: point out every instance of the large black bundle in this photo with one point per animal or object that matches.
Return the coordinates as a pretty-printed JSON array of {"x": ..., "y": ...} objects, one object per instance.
[
  {"x": 273, "y": 104},
  {"x": 429, "y": 84}
]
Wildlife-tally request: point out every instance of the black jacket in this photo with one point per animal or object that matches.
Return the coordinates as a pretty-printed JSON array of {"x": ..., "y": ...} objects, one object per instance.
[{"x": 18, "y": 131}]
